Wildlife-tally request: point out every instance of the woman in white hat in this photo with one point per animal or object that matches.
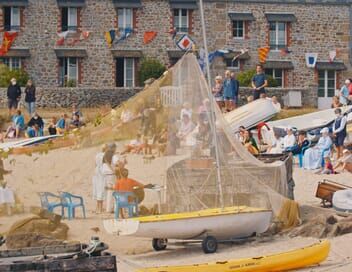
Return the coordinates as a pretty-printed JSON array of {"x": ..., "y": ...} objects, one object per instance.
[
  {"x": 218, "y": 91},
  {"x": 313, "y": 156}
]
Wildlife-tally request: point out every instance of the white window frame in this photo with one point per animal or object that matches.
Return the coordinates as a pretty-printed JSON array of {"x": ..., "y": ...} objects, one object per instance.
[
  {"x": 124, "y": 19},
  {"x": 243, "y": 32},
  {"x": 72, "y": 20},
  {"x": 15, "y": 27},
  {"x": 125, "y": 72},
  {"x": 10, "y": 62},
  {"x": 282, "y": 76},
  {"x": 326, "y": 84},
  {"x": 68, "y": 62},
  {"x": 179, "y": 24},
  {"x": 277, "y": 35}
]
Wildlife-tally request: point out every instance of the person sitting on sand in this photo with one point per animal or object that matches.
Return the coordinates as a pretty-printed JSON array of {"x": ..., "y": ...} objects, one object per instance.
[
  {"x": 134, "y": 146},
  {"x": 313, "y": 156},
  {"x": 14, "y": 130},
  {"x": 186, "y": 127},
  {"x": 289, "y": 140},
  {"x": 345, "y": 162},
  {"x": 335, "y": 102},
  {"x": 35, "y": 126},
  {"x": 250, "y": 143},
  {"x": 61, "y": 125},
  {"x": 76, "y": 122},
  {"x": 276, "y": 145},
  {"x": 328, "y": 168},
  {"x": 52, "y": 126}
]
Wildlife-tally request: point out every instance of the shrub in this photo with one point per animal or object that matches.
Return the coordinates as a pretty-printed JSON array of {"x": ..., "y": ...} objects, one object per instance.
[
  {"x": 150, "y": 68},
  {"x": 6, "y": 74},
  {"x": 70, "y": 83},
  {"x": 245, "y": 79}
]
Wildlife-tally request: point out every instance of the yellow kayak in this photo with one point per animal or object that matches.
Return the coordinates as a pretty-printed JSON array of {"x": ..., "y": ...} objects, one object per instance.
[{"x": 294, "y": 259}]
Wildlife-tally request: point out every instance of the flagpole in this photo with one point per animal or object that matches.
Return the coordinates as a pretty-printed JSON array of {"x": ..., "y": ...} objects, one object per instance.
[{"x": 212, "y": 105}]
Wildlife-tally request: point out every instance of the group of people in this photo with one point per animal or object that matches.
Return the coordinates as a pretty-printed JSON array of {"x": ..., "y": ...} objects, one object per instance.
[
  {"x": 14, "y": 94},
  {"x": 111, "y": 175}
]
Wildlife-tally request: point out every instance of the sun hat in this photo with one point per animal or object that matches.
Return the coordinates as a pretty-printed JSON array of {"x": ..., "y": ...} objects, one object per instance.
[{"x": 324, "y": 130}]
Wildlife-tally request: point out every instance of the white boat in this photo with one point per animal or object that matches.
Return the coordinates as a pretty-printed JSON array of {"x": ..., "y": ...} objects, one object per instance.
[
  {"x": 27, "y": 142},
  {"x": 251, "y": 114},
  {"x": 226, "y": 223},
  {"x": 342, "y": 201}
]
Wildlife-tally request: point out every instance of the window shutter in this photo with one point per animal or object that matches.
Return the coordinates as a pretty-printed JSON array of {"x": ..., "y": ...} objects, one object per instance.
[
  {"x": 7, "y": 18},
  {"x": 289, "y": 34},
  {"x": 79, "y": 11},
  {"x": 246, "y": 30},
  {"x": 134, "y": 19},
  {"x": 79, "y": 67},
  {"x": 190, "y": 21},
  {"x": 64, "y": 19},
  {"x": 21, "y": 17}
]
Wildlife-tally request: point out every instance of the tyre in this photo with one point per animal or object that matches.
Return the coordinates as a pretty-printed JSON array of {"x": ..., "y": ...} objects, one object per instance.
[
  {"x": 209, "y": 244},
  {"x": 159, "y": 244}
]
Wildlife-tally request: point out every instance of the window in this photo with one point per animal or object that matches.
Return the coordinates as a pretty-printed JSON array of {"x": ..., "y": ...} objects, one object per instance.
[
  {"x": 277, "y": 74},
  {"x": 326, "y": 83},
  {"x": 125, "y": 19},
  {"x": 230, "y": 64},
  {"x": 181, "y": 20},
  {"x": 12, "y": 18},
  {"x": 68, "y": 74},
  {"x": 69, "y": 19},
  {"x": 277, "y": 33},
  {"x": 238, "y": 29},
  {"x": 12, "y": 63},
  {"x": 125, "y": 72}
]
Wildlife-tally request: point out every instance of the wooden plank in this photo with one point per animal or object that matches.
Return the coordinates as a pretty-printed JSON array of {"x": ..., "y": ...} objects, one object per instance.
[{"x": 102, "y": 263}]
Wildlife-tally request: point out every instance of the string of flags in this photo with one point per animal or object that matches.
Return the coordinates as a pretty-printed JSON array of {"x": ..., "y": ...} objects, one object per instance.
[
  {"x": 263, "y": 53},
  {"x": 83, "y": 35},
  {"x": 149, "y": 36},
  {"x": 7, "y": 42}
]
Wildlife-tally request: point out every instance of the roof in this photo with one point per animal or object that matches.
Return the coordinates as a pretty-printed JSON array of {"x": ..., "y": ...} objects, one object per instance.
[
  {"x": 335, "y": 65},
  {"x": 71, "y": 52},
  {"x": 71, "y": 3},
  {"x": 278, "y": 64},
  {"x": 16, "y": 3},
  {"x": 18, "y": 52},
  {"x": 241, "y": 16},
  {"x": 127, "y": 3},
  {"x": 183, "y": 4},
  {"x": 280, "y": 17},
  {"x": 117, "y": 53}
]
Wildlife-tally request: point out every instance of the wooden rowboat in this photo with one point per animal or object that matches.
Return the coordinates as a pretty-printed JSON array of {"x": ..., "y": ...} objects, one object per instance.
[{"x": 290, "y": 260}]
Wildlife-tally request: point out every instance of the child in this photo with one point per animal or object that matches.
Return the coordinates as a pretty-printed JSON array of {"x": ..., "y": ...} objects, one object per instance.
[
  {"x": 328, "y": 168},
  {"x": 52, "y": 126}
]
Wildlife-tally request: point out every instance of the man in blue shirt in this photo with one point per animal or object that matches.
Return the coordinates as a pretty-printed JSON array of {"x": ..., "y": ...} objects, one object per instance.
[
  {"x": 343, "y": 94},
  {"x": 259, "y": 82}
]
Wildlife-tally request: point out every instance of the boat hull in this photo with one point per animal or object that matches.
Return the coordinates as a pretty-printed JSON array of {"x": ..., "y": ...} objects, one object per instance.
[
  {"x": 226, "y": 226},
  {"x": 294, "y": 259}
]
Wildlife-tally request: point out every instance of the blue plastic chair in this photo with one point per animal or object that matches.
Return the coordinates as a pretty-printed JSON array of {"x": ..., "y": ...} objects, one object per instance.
[
  {"x": 301, "y": 155},
  {"x": 50, "y": 206},
  {"x": 123, "y": 200},
  {"x": 322, "y": 155},
  {"x": 71, "y": 202}
]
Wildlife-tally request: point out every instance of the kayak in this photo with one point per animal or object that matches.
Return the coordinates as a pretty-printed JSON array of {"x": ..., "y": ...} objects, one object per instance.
[{"x": 295, "y": 259}]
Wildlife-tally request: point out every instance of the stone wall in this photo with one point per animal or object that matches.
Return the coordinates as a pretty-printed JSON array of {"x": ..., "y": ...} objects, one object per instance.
[{"x": 84, "y": 97}]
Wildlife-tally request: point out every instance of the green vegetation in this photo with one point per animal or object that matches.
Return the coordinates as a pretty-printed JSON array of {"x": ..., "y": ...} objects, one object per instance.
[
  {"x": 6, "y": 74},
  {"x": 150, "y": 68}
]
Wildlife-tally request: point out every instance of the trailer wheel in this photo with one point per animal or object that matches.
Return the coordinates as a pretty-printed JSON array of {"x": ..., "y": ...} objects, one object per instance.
[
  {"x": 210, "y": 244},
  {"x": 159, "y": 244}
]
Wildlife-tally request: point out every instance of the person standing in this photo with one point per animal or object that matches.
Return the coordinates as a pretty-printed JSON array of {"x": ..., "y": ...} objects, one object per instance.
[
  {"x": 99, "y": 181},
  {"x": 228, "y": 87},
  {"x": 13, "y": 95},
  {"x": 236, "y": 90},
  {"x": 30, "y": 97},
  {"x": 259, "y": 82},
  {"x": 344, "y": 93},
  {"x": 108, "y": 173},
  {"x": 339, "y": 131},
  {"x": 218, "y": 92}
]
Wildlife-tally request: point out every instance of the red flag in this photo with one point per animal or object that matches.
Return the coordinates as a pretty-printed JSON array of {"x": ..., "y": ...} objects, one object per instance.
[
  {"x": 149, "y": 36},
  {"x": 61, "y": 41},
  {"x": 263, "y": 53},
  {"x": 7, "y": 42}
]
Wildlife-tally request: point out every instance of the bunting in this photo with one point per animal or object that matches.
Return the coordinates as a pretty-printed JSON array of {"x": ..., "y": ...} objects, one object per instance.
[
  {"x": 185, "y": 43},
  {"x": 62, "y": 37},
  {"x": 263, "y": 53},
  {"x": 285, "y": 51},
  {"x": 84, "y": 35},
  {"x": 332, "y": 55},
  {"x": 242, "y": 52},
  {"x": 149, "y": 36},
  {"x": 124, "y": 35},
  {"x": 7, "y": 41}
]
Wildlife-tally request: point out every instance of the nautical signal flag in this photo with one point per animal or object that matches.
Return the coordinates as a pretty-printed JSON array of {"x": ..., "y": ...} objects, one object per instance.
[
  {"x": 311, "y": 59},
  {"x": 149, "y": 36},
  {"x": 332, "y": 55},
  {"x": 284, "y": 51},
  {"x": 185, "y": 43},
  {"x": 7, "y": 41},
  {"x": 263, "y": 53},
  {"x": 110, "y": 37}
]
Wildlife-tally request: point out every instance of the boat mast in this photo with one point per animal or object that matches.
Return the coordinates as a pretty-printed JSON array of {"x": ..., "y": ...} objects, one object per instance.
[{"x": 212, "y": 106}]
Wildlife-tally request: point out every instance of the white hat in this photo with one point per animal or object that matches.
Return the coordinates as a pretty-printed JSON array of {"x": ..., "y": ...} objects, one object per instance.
[
  {"x": 218, "y": 78},
  {"x": 347, "y": 81},
  {"x": 324, "y": 130}
]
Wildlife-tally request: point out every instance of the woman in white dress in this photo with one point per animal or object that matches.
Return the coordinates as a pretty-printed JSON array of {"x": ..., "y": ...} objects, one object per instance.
[
  {"x": 98, "y": 181},
  {"x": 108, "y": 172},
  {"x": 313, "y": 156}
]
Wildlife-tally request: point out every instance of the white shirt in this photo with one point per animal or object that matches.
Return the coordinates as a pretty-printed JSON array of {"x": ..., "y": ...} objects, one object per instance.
[
  {"x": 186, "y": 112},
  {"x": 289, "y": 141}
]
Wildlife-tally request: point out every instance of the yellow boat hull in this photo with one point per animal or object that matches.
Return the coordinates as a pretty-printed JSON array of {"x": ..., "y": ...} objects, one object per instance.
[{"x": 294, "y": 259}]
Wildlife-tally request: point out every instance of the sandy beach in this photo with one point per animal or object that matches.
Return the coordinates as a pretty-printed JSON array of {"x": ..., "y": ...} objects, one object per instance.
[{"x": 71, "y": 170}]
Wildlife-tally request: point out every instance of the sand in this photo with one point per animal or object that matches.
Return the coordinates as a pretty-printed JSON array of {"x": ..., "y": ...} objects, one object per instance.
[{"x": 71, "y": 170}]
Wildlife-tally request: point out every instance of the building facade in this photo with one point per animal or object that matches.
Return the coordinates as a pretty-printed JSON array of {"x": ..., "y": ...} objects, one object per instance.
[{"x": 291, "y": 28}]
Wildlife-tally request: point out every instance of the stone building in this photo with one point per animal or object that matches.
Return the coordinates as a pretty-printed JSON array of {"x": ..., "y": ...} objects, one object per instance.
[{"x": 291, "y": 28}]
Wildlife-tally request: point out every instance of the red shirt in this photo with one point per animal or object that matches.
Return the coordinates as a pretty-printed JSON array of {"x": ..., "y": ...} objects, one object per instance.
[
  {"x": 126, "y": 185},
  {"x": 350, "y": 89}
]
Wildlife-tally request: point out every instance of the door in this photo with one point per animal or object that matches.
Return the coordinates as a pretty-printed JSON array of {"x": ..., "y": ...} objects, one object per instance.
[
  {"x": 120, "y": 72},
  {"x": 326, "y": 88}
]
